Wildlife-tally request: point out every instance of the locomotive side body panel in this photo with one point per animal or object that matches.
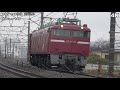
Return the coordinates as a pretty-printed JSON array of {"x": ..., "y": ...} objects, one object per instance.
[{"x": 39, "y": 42}]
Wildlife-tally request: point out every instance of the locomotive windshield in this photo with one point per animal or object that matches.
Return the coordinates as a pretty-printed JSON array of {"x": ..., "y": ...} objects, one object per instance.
[
  {"x": 76, "y": 33},
  {"x": 81, "y": 34},
  {"x": 61, "y": 32},
  {"x": 86, "y": 34}
]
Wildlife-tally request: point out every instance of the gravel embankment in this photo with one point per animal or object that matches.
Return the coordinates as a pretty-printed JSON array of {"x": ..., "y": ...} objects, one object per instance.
[
  {"x": 49, "y": 74},
  {"x": 5, "y": 74}
]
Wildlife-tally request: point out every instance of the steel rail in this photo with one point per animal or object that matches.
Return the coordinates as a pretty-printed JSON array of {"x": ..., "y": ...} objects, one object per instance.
[
  {"x": 66, "y": 71},
  {"x": 19, "y": 72}
]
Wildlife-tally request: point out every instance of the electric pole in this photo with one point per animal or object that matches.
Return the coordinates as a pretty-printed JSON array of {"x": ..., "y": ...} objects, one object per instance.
[
  {"x": 42, "y": 18},
  {"x": 10, "y": 48},
  {"x": 112, "y": 42},
  {"x": 0, "y": 51},
  {"x": 5, "y": 47},
  {"x": 16, "y": 51},
  {"x": 13, "y": 52},
  {"x": 28, "y": 53}
]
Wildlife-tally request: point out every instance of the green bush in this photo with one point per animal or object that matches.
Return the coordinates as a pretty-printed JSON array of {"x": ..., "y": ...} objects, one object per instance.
[{"x": 95, "y": 59}]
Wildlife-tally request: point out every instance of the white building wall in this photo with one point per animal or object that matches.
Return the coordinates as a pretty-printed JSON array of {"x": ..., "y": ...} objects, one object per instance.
[{"x": 117, "y": 56}]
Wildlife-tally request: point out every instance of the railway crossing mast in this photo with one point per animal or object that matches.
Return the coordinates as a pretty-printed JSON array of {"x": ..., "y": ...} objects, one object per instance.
[{"x": 112, "y": 43}]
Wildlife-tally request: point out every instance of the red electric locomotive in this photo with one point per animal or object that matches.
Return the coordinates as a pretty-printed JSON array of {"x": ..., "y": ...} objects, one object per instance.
[{"x": 65, "y": 44}]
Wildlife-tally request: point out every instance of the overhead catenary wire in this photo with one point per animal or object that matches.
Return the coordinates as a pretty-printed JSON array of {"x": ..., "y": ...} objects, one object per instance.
[
  {"x": 9, "y": 30},
  {"x": 117, "y": 24}
]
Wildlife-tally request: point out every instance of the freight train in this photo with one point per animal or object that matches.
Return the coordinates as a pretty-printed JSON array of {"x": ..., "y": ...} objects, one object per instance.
[{"x": 64, "y": 44}]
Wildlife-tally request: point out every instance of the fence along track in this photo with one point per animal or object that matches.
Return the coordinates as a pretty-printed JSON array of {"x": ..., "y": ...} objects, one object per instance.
[{"x": 19, "y": 72}]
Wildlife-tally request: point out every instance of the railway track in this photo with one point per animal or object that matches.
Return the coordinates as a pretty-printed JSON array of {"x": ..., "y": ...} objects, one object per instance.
[
  {"x": 66, "y": 71},
  {"x": 19, "y": 72},
  {"x": 81, "y": 74},
  {"x": 27, "y": 74}
]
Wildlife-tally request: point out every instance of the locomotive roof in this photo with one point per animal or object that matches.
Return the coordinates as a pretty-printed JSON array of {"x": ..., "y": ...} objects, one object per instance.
[
  {"x": 70, "y": 27},
  {"x": 65, "y": 26},
  {"x": 40, "y": 30}
]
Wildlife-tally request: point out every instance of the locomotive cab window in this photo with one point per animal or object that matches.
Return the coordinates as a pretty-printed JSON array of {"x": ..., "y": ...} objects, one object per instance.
[
  {"x": 60, "y": 32},
  {"x": 86, "y": 34},
  {"x": 78, "y": 34},
  {"x": 56, "y": 32}
]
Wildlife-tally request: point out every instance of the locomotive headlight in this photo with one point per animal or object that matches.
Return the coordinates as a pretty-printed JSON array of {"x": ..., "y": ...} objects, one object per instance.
[
  {"x": 61, "y": 26},
  {"x": 81, "y": 27}
]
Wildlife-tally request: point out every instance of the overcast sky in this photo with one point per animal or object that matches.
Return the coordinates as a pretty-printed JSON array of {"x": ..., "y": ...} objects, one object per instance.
[{"x": 98, "y": 22}]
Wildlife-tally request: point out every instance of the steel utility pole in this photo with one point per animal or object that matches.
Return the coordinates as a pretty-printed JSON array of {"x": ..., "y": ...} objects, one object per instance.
[
  {"x": 10, "y": 48},
  {"x": 0, "y": 51},
  {"x": 13, "y": 52},
  {"x": 5, "y": 47},
  {"x": 42, "y": 18},
  {"x": 28, "y": 53},
  {"x": 16, "y": 51},
  {"x": 112, "y": 42}
]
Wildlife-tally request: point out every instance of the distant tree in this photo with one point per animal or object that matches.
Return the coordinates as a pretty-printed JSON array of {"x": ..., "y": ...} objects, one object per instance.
[
  {"x": 100, "y": 45},
  {"x": 95, "y": 59}
]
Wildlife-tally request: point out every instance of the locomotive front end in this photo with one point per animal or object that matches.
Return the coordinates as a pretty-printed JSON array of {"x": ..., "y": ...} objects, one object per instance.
[
  {"x": 69, "y": 45},
  {"x": 64, "y": 45}
]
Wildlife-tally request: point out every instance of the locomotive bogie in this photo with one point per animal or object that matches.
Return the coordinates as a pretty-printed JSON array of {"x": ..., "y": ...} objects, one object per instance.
[{"x": 73, "y": 62}]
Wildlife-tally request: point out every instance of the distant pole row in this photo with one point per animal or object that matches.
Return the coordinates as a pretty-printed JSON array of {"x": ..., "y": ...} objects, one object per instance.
[{"x": 8, "y": 49}]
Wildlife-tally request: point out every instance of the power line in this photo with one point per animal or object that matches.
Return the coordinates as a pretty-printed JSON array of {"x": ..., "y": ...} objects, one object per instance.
[
  {"x": 117, "y": 24},
  {"x": 48, "y": 14}
]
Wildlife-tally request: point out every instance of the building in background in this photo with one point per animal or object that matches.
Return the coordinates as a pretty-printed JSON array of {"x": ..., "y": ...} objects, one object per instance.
[{"x": 105, "y": 54}]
